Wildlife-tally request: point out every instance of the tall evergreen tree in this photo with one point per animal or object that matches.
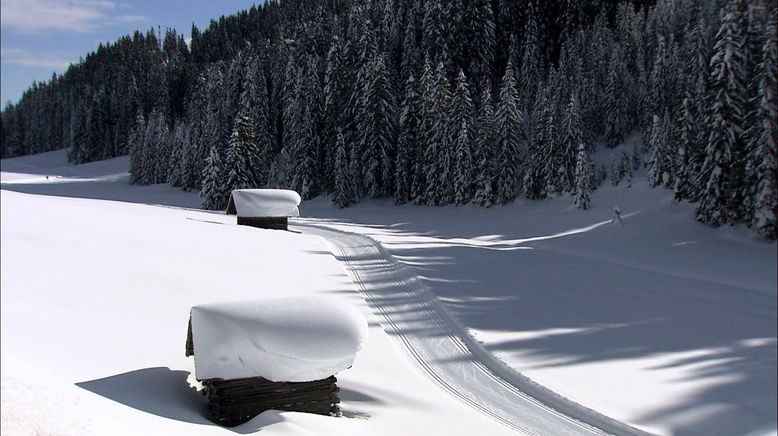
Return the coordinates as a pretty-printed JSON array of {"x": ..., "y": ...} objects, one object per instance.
[
  {"x": 509, "y": 121},
  {"x": 583, "y": 177},
  {"x": 212, "y": 192},
  {"x": 438, "y": 190},
  {"x": 407, "y": 148},
  {"x": 378, "y": 131},
  {"x": 615, "y": 101},
  {"x": 462, "y": 121},
  {"x": 762, "y": 150},
  {"x": 136, "y": 147},
  {"x": 486, "y": 139},
  {"x": 570, "y": 142},
  {"x": 342, "y": 195},
  {"x": 719, "y": 172}
]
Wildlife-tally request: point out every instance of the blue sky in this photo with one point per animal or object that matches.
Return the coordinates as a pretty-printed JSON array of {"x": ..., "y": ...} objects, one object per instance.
[{"x": 39, "y": 37}]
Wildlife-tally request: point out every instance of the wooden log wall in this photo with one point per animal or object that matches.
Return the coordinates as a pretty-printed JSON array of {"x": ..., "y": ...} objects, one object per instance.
[{"x": 233, "y": 402}]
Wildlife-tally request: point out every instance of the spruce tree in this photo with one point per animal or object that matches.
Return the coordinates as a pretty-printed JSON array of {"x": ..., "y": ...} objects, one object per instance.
[
  {"x": 439, "y": 169},
  {"x": 535, "y": 178},
  {"x": 762, "y": 156},
  {"x": 463, "y": 165},
  {"x": 583, "y": 178},
  {"x": 684, "y": 166},
  {"x": 485, "y": 154},
  {"x": 407, "y": 148},
  {"x": 239, "y": 154},
  {"x": 615, "y": 102},
  {"x": 378, "y": 131},
  {"x": 509, "y": 122},
  {"x": 136, "y": 148},
  {"x": 657, "y": 148},
  {"x": 342, "y": 195},
  {"x": 531, "y": 62},
  {"x": 212, "y": 192},
  {"x": 462, "y": 121},
  {"x": 727, "y": 89},
  {"x": 570, "y": 142}
]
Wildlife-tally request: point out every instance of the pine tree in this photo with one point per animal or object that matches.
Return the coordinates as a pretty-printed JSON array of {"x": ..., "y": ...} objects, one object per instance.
[
  {"x": 212, "y": 192},
  {"x": 684, "y": 166},
  {"x": 583, "y": 177},
  {"x": 136, "y": 148},
  {"x": 378, "y": 131},
  {"x": 179, "y": 155},
  {"x": 424, "y": 167},
  {"x": 615, "y": 102},
  {"x": 239, "y": 154},
  {"x": 462, "y": 121},
  {"x": 726, "y": 122},
  {"x": 531, "y": 61},
  {"x": 570, "y": 142},
  {"x": 762, "y": 155},
  {"x": 535, "y": 178},
  {"x": 434, "y": 32},
  {"x": 660, "y": 163},
  {"x": 462, "y": 178},
  {"x": 407, "y": 148},
  {"x": 486, "y": 139},
  {"x": 439, "y": 169},
  {"x": 509, "y": 122},
  {"x": 342, "y": 195}
]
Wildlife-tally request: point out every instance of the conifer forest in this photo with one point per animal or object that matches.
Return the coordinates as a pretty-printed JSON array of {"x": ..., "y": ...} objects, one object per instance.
[{"x": 434, "y": 102}]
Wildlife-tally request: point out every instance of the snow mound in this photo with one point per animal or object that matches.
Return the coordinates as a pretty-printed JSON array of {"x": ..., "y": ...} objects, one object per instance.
[
  {"x": 264, "y": 203},
  {"x": 281, "y": 339}
]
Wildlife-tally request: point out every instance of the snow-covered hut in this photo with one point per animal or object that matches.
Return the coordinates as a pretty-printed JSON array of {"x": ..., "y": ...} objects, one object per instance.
[
  {"x": 264, "y": 208},
  {"x": 280, "y": 353}
]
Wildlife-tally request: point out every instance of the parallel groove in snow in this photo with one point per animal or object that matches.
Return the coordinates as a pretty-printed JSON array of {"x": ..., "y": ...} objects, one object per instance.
[{"x": 445, "y": 351}]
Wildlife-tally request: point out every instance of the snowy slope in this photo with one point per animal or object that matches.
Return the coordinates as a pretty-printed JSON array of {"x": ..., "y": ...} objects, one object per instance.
[
  {"x": 663, "y": 323},
  {"x": 94, "y": 312}
]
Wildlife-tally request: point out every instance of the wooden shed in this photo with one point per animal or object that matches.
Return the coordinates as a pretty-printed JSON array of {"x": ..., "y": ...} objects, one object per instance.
[
  {"x": 264, "y": 208},
  {"x": 235, "y": 401}
]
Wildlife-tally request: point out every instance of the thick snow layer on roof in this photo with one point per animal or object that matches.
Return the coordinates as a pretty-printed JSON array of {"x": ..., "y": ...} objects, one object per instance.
[
  {"x": 280, "y": 339},
  {"x": 264, "y": 202}
]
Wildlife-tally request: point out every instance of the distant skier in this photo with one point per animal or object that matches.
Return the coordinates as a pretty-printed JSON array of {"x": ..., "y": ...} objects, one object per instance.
[{"x": 616, "y": 216}]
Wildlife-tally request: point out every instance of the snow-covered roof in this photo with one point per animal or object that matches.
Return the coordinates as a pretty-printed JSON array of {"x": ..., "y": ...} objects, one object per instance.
[
  {"x": 281, "y": 339},
  {"x": 264, "y": 203}
]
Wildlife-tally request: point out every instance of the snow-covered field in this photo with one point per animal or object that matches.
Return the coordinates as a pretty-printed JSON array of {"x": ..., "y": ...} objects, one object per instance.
[{"x": 662, "y": 323}]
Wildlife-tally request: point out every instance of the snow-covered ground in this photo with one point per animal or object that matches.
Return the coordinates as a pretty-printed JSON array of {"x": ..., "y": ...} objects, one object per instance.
[{"x": 662, "y": 323}]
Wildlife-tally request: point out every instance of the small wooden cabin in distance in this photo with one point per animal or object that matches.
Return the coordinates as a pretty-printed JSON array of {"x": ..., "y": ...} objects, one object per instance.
[{"x": 264, "y": 208}]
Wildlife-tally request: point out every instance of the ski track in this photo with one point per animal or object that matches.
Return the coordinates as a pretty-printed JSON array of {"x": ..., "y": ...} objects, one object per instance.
[{"x": 444, "y": 349}]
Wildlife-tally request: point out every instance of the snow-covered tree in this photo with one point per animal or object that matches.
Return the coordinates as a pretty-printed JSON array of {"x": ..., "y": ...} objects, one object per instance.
[
  {"x": 727, "y": 90},
  {"x": 462, "y": 121},
  {"x": 485, "y": 154},
  {"x": 378, "y": 131},
  {"x": 342, "y": 195},
  {"x": 407, "y": 147},
  {"x": 658, "y": 169},
  {"x": 571, "y": 138},
  {"x": 615, "y": 101},
  {"x": 240, "y": 152},
  {"x": 583, "y": 178},
  {"x": 136, "y": 148},
  {"x": 762, "y": 156},
  {"x": 212, "y": 192},
  {"x": 439, "y": 170},
  {"x": 509, "y": 122}
]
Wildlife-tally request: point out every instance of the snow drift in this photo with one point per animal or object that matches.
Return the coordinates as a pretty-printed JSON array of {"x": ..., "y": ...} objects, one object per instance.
[
  {"x": 281, "y": 339},
  {"x": 264, "y": 203}
]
